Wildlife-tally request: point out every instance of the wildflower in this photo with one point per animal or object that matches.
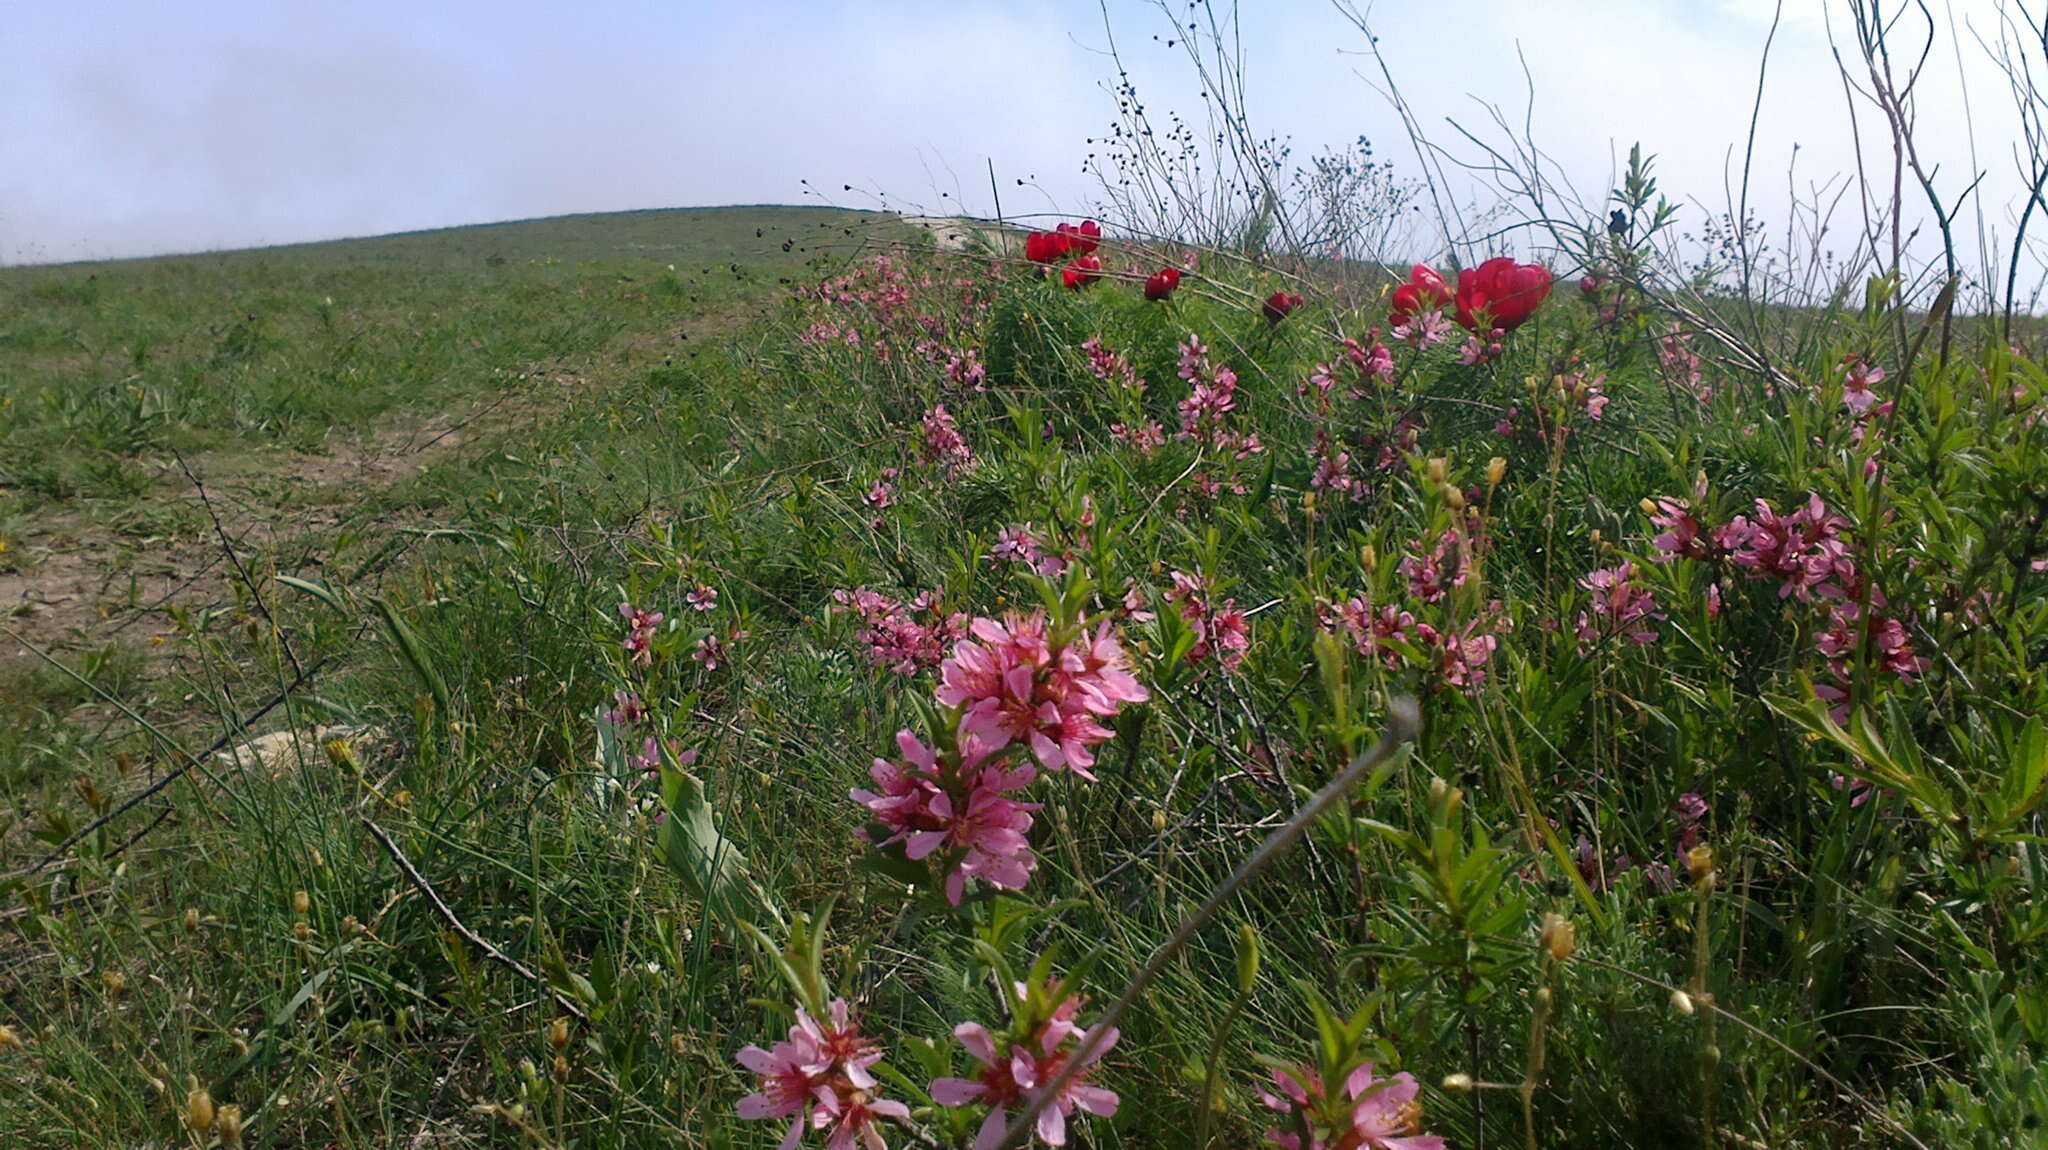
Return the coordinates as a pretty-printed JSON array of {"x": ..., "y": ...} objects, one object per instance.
[
  {"x": 1279, "y": 305},
  {"x": 640, "y": 625},
  {"x": 1424, "y": 330},
  {"x": 1013, "y": 684},
  {"x": 629, "y": 709},
  {"x": 905, "y": 637},
  {"x": 1804, "y": 550},
  {"x": 943, "y": 443},
  {"x": 1161, "y": 283},
  {"x": 1046, "y": 247},
  {"x": 1016, "y": 1077},
  {"x": 1424, "y": 291},
  {"x": 1857, "y": 376},
  {"x": 1083, "y": 239},
  {"x": 1690, "y": 807},
  {"x": 1621, "y": 607},
  {"x": 1111, "y": 367},
  {"x": 711, "y": 652},
  {"x": 1433, "y": 574},
  {"x": 819, "y": 1078},
  {"x": 1502, "y": 291},
  {"x": 1374, "y": 1114},
  {"x": 1144, "y": 438},
  {"x": 1082, "y": 272},
  {"x": 1018, "y": 544},
  {"x": 703, "y": 597}
]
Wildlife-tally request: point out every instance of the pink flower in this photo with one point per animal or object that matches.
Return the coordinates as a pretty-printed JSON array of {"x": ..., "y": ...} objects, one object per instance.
[
  {"x": 1804, "y": 550},
  {"x": 789, "y": 1083},
  {"x": 1144, "y": 438},
  {"x": 1017, "y": 1076},
  {"x": 820, "y": 1078},
  {"x": 640, "y": 625},
  {"x": 943, "y": 444},
  {"x": 703, "y": 597},
  {"x": 629, "y": 709},
  {"x": 1424, "y": 330},
  {"x": 853, "y": 1121},
  {"x": 1857, "y": 376},
  {"x": 1691, "y": 807},
  {"x": 1621, "y": 607},
  {"x": 895, "y": 635},
  {"x": 1010, "y": 688},
  {"x": 1380, "y": 1113}
]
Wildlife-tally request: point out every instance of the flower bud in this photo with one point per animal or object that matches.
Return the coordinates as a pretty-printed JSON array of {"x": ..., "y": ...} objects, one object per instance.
[
  {"x": 342, "y": 753},
  {"x": 1700, "y": 861},
  {"x": 228, "y": 1124},
  {"x": 114, "y": 981},
  {"x": 1369, "y": 557},
  {"x": 9, "y": 1040},
  {"x": 1544, "y": 997},
  {"x": 1454, "y": 498},
  {"x": 1560, "y": 936},
  {"x": 558, "y": 1033},
  {"x": 561, "y": 1069},
  {"x": 1681, "y": 1002},
  {"x": 301, "y": 931},
  {"x": 1438, "y": 468},
  {"x": 1457, "y": 1083},
  {"x": 301, "y": 902},
  {"x": 1247, "y": 958},
  {"x": 198, "y": 1106},
  {"x": 1496, "y": 470},
  {"x": 1648, "y": 505},
  {"x": 1159, "y": 821}
]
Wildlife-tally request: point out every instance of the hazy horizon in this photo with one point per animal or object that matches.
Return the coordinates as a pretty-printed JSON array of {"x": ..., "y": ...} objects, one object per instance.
[{"x": 142, "y": 131}]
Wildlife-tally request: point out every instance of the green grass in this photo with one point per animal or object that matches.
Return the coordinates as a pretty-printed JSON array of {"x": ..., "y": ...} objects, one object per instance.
[{"x": 1892, "y": 944}]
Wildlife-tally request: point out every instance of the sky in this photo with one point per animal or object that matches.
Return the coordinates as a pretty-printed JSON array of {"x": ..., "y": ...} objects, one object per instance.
[{"x": 137, "y": 127}]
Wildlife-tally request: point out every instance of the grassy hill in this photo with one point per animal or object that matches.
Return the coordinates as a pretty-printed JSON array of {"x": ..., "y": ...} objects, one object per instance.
[{"x": 452, "y": 669}]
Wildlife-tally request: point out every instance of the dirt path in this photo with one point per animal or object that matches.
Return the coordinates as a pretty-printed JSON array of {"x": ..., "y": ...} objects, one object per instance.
[{"x": 87, "y": 582}]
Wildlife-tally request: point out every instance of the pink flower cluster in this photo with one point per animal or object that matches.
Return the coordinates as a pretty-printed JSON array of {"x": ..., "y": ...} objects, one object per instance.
[
  {"x": 1375, "y": 362},
  {"x": 1111, "y": 367},
  {"x": 1394, "y": 636},
  {"x": 1205, "y": 413},
  {"x": 1804, "y": 550},
  {"x": 1144, "y": 438},
  {"x": 1676, "y": 360},
  {"x": 640, "y": 625},
  {"x": 1220, "y": 629},
  {"x": 905, "y": 637},
  {"x": 1373, "y": 1114},
  {"x": 955, "y": 807},
  {"x": 1012, "y": 682},
  {"x": 943, "y": 444},
  {"x": 819, "y": 1078},
  {"x": 962, "y": 366},
  {"x": 1622, "y": 607},
  {"x": 1016, "y": 1068},
  {"x": 1018, "y": 544},
  {"x": 1434, "y": 573}
]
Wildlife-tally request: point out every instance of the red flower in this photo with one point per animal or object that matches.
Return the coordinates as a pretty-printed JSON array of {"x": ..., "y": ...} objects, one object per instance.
[
  {"x": 1502, "y": 291},
  {"x": 1279, "y": 304},
  {"x": 1424, "y": 291},
  {"x": 1081, "y": 273},
  {"x": 1046, "y": 247},
  {"x": 1083, "y": 239},
  {"x": 1590, "y": 287},
  {"x": 1161, "y": 283}
]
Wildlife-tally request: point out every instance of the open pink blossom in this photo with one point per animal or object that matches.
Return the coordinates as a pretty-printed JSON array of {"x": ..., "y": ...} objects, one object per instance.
[
  {"x": 1012, "y": 1078},
  {"x": 1383, "y": 1113}
]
